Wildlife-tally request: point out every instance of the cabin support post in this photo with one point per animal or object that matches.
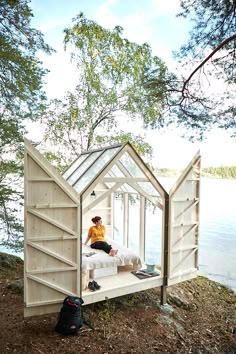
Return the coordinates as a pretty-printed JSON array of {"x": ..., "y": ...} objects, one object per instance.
[
  {"x": 126, "y": 219},
  {"x": 79, "y": 248},
  {"x": 166, "y": 252}
]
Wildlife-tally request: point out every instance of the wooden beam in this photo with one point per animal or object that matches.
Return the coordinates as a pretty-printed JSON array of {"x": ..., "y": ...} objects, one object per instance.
[
  {"x": 91, "y": 162},
  {"x": 123, "y": 169},
  {"x": 41, "y": 303},
  {"x": 184, "y": 234},
  {"x": 184, "y": 259},
  {"x": 52, "y": 254},
  {"x": 50, "y": 285},
  {"x": 166, "y": 248},
  {"x": 51, "y": 238},
  {"x": 180, "y": 273},
  {"x": 193, "y": 163},
  {"x": 50, "y": 221},
  {"x": 103, "y": 172},
  {"x": 40, "y": 179},
  {"x": 142, "y": 228},
  {"x": 146, "y": 195},
  {"x": 186, "y": 248},
  {"x": 79, "y": 248},
  {"x": 184, "y": 199},
  {"x": 26, "y": 226},
  {"x": 103, "y": 196},
  {"x": 124, "y": 179},
  {"x": 186, "y": 209},
  {"x": 52, "y": 270},
  {"x": 194, "y": 223},
  {"x": 126, "y": 219},
  {"x": 52, "y": 206},
  {"x": 146, "y": 171},
  {"x": 50, "y": 170}
]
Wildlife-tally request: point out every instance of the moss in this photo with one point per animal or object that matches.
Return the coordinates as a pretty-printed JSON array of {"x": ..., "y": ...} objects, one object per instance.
[{"x": 11, "y": 265}]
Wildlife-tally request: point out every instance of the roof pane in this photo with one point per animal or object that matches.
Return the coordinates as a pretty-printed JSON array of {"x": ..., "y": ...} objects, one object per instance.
[
  {"x": 74, "y": 166},
  {"x": 95, "y": 169},
  {"x": 148, "y": 188},
  {"x": 129, "y": 189},
  {"x": 131, "y": 166},
  {"x": 73, "y": 178},
  {"x": 116, "y": 171}
]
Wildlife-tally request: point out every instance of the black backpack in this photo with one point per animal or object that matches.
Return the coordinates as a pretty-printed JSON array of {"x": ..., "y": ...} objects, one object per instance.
[{"x": 70, "y": 318}]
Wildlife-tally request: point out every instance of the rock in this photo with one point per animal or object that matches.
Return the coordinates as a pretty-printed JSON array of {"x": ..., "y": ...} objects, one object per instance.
[
  {"x": 17, "y": 286},
  {"x": 167, "y": 309},
  {"x": 174, "y": 299},
  {"x": 165, "y": 320},
  {"x": 9, "y": 261}
]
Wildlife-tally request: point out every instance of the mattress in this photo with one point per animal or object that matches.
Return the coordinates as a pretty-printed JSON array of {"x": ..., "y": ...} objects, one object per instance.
[{"x": 96, "y": 259}]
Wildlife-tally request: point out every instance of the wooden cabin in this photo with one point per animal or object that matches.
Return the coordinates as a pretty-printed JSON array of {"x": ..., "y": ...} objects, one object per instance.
[{"x": 58, "y": 212}]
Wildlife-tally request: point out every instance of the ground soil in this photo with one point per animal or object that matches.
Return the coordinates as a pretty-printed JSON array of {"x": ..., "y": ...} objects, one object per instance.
[{"x": 199, "y": 318}]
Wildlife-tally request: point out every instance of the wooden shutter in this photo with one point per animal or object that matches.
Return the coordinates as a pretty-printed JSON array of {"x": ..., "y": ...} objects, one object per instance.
[
  {"x": 52, "y": 242},
  {"x": 184, "y": 224}
]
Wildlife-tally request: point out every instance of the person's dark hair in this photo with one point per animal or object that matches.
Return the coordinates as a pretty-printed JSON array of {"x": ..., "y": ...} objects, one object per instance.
[{"x": 96, "y": 219}]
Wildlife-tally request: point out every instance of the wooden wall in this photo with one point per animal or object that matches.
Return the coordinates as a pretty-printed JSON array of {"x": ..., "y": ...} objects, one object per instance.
[
  {"x": 184, "y": 224},
  {"x": 52, "y": 238}
]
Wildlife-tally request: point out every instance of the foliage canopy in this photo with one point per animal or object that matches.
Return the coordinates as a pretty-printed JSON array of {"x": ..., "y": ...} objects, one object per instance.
[
  {"x": 21, "y": 97},
  {"x": 194, "y": 100},
  {"x": 110, "y": 90}
]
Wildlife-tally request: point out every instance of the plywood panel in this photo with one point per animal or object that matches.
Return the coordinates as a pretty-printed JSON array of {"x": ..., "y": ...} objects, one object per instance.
[
  {"x": 47, "y": 192},
  {"x": 65, "y": 248},
  {"x": 184, "y": 224},
  {"x": 34, "y": 170},
  {"x": 39, "y": 260},
  {"x": 64, "y": 216},
  {"x": 39, "y": 293},
  {"x": 39, "y": 228},
  {"x": 52, "y": 235}
]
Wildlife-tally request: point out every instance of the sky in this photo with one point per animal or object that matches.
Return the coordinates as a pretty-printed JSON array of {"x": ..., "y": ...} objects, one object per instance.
[{"x": 151, "y": 21}]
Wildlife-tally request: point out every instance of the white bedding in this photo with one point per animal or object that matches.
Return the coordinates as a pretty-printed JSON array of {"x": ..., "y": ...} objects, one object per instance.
[{"x": 102, "y": 260}]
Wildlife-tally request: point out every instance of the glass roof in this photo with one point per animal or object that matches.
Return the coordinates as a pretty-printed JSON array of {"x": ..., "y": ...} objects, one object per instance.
[
  {"x": 124, "y": 170},
  {"x": 74, "y": 165},
  {"x": 87, "y": 166},
  {"x": 94, "y": 169},
  {"x": 131, "y": 166},
  {"x": 83, "y": 167}
]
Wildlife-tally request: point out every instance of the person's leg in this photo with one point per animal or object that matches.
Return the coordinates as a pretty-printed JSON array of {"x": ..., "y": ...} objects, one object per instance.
[
  {"x": 102, "y": 245},
  {"x": 113, "y": 252}
]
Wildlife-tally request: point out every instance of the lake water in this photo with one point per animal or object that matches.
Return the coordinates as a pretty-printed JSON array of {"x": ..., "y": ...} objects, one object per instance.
[{"x": 217, "y": 240}]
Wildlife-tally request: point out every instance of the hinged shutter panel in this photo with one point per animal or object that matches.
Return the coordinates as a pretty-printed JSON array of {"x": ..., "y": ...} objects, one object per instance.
[
  {"x": 52, "y": 243},
  {"x": 184, "y": 224}
]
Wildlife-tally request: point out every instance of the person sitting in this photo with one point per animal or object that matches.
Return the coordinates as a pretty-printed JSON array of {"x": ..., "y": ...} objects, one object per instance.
[{"x": 97, "y": 235}]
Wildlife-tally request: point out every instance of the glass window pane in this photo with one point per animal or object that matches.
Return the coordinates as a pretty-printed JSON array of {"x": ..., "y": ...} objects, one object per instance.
[
  {"x": 118, "y": 218},
  {"x": 74, "y": 166},
  {"x": 134, "y": 220},
  {"x": 148, "y": 188},
  {"x": 153, "y": 235},
  {"x": 117, "y": 172},
  {"x": 95, "y": 169},
  {"x": 131, "y": 166},
  {"x": 129, "y": 189},
  {"x": 83, "y": 167}
]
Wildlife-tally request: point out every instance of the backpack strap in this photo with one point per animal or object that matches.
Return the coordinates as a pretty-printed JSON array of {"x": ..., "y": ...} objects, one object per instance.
[{"x": 87, "y": 323}]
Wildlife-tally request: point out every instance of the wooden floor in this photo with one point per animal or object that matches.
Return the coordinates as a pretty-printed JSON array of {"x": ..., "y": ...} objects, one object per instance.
[{"x": 118, "y": 285}]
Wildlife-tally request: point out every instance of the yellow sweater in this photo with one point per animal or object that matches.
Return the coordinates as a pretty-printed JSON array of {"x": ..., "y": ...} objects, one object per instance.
[{"x": 97, "y": 233}]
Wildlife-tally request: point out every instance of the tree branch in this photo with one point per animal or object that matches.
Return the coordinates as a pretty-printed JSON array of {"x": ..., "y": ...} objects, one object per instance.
[{"x": 221, "y": 45}]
